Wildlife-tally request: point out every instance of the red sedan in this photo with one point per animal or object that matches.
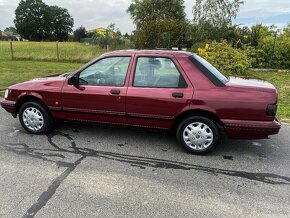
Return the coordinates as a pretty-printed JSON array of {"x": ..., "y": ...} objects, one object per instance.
[{"x": 167, "y": 90}]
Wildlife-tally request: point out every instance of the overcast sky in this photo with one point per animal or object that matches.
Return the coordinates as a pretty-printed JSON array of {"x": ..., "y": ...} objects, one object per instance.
[{"x": 100, "y": 13}]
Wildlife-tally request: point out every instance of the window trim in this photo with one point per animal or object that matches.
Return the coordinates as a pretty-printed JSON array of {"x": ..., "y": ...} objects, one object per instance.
[
  {"x": 105, "y": 57},
  {"x": 156, "y": 56}
]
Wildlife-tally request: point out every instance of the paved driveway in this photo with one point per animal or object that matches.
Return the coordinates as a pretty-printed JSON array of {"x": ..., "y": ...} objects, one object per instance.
[{"x": 89, "y": 171}]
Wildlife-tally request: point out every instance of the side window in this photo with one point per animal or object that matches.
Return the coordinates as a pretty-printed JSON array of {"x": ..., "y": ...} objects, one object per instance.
[
  {"x": 109, "y": 71},
  {"x": 157, "y": 73}
]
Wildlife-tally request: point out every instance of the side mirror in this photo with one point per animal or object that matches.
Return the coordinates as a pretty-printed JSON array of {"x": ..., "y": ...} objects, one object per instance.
[{"x": 73, "y": 81}]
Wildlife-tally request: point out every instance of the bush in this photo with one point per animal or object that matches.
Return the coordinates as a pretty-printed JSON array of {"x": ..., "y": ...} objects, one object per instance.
[
  {"x": 228, "y": 60},
  {"x": 257, "y": 57},
  {"x": 279, "y": 57}
]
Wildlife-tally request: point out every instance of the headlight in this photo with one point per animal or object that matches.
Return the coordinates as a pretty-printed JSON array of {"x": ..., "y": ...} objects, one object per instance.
[{"x": 6, "y": 93}]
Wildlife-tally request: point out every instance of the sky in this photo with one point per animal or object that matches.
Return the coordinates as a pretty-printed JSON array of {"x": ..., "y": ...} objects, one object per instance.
[{"x": 100, "y": 13}]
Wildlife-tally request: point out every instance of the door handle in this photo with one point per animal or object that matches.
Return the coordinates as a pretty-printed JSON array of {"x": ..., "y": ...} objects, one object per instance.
[
  {"x": 177, "y": 94},
  {"x": 115, "y": 92}
]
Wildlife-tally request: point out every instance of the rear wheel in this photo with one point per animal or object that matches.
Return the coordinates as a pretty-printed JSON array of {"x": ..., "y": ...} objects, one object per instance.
[
  {"x": 34, "y": 118},
  {"x": 199, "y": 135}
]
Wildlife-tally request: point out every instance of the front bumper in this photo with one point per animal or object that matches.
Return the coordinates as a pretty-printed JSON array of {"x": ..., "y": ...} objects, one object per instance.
[
  {"x": 9, "y": 106},
  {"x": 245, "y": 129}
]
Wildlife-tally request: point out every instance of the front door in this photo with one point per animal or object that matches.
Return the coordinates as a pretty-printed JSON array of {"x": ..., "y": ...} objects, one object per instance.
[
  {"x": 100, "y": 95},
  {"x": 158, "y": 91}
]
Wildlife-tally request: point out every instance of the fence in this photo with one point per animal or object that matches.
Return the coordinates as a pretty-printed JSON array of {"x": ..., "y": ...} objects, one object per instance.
[{"x": 49, "y": 51}]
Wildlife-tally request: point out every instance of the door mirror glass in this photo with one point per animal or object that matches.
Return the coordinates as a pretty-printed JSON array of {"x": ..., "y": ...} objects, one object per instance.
[{"x": 73, "y": 81}]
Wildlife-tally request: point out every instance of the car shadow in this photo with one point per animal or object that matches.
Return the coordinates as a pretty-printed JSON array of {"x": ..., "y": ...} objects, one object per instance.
[{"x": 166, "y": 141}]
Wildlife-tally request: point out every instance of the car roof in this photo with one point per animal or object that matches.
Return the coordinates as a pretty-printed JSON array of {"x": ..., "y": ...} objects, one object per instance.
[{"x": 150, "y": 52}]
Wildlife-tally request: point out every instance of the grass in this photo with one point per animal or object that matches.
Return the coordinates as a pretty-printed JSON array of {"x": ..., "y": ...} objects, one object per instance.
[
  {"x": 47, "y": 51},
  {"x": 12, "y": 72}
]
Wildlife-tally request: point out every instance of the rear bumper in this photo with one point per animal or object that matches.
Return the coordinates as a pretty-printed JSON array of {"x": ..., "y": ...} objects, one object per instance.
[
  {"x": 245, "y": 129},
  {"x": 9, "y": 106}
]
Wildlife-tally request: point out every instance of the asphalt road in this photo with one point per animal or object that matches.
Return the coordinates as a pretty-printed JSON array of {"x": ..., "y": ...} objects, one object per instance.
[{"x": 90, "y": 171}]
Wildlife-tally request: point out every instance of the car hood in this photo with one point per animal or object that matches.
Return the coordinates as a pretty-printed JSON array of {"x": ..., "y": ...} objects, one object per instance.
[
  {"x": 42, "y": 83},
  {"x": 250, "y": 84}
]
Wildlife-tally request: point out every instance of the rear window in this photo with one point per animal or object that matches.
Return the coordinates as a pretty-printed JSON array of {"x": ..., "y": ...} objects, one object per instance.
[{"x": 209, "y": 70}]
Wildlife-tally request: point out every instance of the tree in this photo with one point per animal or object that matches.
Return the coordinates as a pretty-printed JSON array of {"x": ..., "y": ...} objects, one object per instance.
[
  {"x": 216, "y": 12},
  {"x": 61, "y": 23},
  {"x": 158, "y": 21},
  {"x": 286, "y": 30},
  {"x": 80, "y": 33},
  {"x": 31, "y": 19},
  {"x": 212, "y": 19},
  {"x": 161, "y": 34},
  {"x": 258, "y": 32},
  {"x": 36, "y": 21},
  {"x": 142, "y": 11},
  {"x": 10, "y": 29}
]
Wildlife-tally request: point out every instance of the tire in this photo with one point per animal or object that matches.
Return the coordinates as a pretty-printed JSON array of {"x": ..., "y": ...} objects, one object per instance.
[
  {"x": 198, "y": 135},
  {"x": 34, "y": 118}
]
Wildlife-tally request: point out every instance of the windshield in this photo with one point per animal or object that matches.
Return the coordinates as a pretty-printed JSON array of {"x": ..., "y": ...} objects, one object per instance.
[{"x": 211, "y": 68}]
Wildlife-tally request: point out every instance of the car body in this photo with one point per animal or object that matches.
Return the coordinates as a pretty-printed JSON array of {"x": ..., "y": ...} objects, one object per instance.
[{"x": 168, "y": 90}]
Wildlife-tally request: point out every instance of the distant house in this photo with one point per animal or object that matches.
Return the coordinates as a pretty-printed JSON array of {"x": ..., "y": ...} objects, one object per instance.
[
  {"x": 12, "y": 35},
  {"x": 102, "y": 32}
]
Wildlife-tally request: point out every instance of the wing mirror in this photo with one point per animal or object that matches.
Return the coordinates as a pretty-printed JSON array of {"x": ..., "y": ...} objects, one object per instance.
[{"x": 73, "y": 81}]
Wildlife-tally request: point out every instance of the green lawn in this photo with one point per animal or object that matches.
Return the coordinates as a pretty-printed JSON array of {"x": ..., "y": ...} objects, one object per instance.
[
  {"x": 47, "y": 51},
  {"x": 12, "y": 72}
]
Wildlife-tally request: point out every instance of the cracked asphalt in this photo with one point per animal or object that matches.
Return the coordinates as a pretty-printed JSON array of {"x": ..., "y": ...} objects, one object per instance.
[{"x": 93, "y": 171}]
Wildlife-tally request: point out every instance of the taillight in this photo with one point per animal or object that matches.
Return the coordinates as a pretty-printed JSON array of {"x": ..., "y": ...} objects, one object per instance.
[{"x": 271, "y": 110}]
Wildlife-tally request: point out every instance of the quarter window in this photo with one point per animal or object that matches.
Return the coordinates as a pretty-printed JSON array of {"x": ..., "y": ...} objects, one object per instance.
[
  {"x": 110, "y": 71},
  {"x": 157, "y": 73}
]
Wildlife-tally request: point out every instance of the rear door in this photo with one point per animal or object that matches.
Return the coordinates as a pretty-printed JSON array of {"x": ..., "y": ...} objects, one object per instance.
[{"x": 157, "y": 92}]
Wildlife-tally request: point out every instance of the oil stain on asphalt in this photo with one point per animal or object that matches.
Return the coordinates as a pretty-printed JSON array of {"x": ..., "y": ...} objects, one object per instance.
[{"x": 134, "y": 161}]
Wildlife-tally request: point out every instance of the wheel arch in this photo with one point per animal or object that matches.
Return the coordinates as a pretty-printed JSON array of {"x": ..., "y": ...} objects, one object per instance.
[
  {"x": 197, "y": 112},
  {"x": 28, "y": 98}
]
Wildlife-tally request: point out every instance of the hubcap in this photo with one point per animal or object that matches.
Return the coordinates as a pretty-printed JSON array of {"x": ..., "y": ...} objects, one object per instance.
[
  {"x": 198, "y": 136},
  {"x": 33, "y": 118}
]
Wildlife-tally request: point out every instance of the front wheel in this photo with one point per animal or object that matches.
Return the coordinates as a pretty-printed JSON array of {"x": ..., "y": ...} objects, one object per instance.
[
  {"x": 34, "y": 118},
  {"x": 199, "y": 135}
]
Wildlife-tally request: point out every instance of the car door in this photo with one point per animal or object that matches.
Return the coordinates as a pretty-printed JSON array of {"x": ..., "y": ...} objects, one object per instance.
[
  {"x": 100, "y": 94},
  {"x": 158, "y": 91}
]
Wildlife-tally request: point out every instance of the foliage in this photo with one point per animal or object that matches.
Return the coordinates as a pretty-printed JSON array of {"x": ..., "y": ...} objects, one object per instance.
[
  {"x": 31, "y": 19},
  {"x": 277, "y": 51},
  {"x": 142, "y": 11},
  {"x": 256, "y": 56},
  {"x": 112, "y": 39},
  {"x": 80, "y": 33},
  {"x": 212, "y": 19},
  {"x": 159, "y": 23},
  {"x": 287, "y": 30},
  {"x": 10, "y": 29},
  {"x": 228, "y": 60},
  {"x": 258, "y": 32},
  {"x": 270, "y": 48},
  {"x": 36, "y": 21},
  {"x": 162, "y": 34},
  {"x": 215, "y": 12},
  {"x": 61, "y": 23}
]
